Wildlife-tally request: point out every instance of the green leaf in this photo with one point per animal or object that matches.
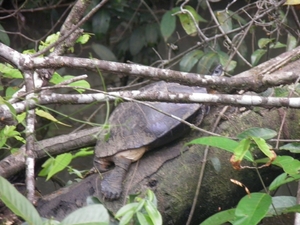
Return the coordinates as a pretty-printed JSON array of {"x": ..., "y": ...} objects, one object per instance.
[
  {"x": 281, "y": 92},
  {"x": 206, "y": 62},
  {"x": 84, "y": 152},
  {"x": 126, "y": 218},
  {"x": 153, "y": 213},
  {"x": 46, "y": 167},
  {"x": 48, "y": 116},
  {"x": 264, "y": 147},
  {"x": 292, "y": 209},
  {"x": 137, "y": 40},
  {"x": 283, "y": 179},
  {"x": 256, "y": 56},
  {"x": 242, "y": 151},
  {"x": 291, "y": 42},
  {"x": 100, "y": 22},
  {"x": 292, "y": 147},
  {"x": 10, "y": 91},
  {"x": 187, "y": 22},
  {"x": 290, "y": 165},
  {"x": 251, "y": 209},
  {"x": 9, "y": 72},
  {"x": 56, "y": 78},
  {"x": 220, "y": 142},
  {"x": 83, "y": 39},
  {"x": 225, "y": 20},
  {"x": 18, "y": 203},
  {"x": 127, "y": 208},
  {"x": 263, "y": 42},
  {"x": 103, "y": 52},
  {"x": 189, "y": 60},
  {"x": 92, "y": 215},
  {"x": 223, "y": 57},
  {"x": 60, "y": 163},
  {"x": 4, "y": 38},
  {"x": 281, "y": 203},
  {"x": 277, "y": 45},
  {"x": 264, "y": 133},
  {"x": 142, "y": 219},
  {"x": 167, "y": 25},
  {"x": 220, "y": 217},
  {"x": 151, "y": 34}
]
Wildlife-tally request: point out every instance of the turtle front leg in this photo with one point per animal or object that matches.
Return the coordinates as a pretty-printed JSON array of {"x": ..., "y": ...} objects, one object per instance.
[{"x": 112, "y": 185}]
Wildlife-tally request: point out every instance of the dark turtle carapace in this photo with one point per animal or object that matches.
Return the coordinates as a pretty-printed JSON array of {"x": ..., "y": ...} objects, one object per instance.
[{"x": 136, "y": 128}]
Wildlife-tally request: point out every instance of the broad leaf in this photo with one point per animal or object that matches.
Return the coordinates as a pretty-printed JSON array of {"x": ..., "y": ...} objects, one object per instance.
[
  {"x": 292, "y": 147},
  {"x": 167, "y": 25},
  {"x": 206, "y": 62},
  {"x": 103, "y": 52},
  {"x": 281, "y": 203},
  {"x": 220, "y": 217},
  {"x": 290, "y": 165},
  {"x": 137, "y": 40},
  {"x": 251, "y": 209},
  {"x": 4, "y": 38},
  {"x": 153, "y": 213},
  {"x": 189, "y": 60},
  {"x": 60, "y": 163},
  {"x": 256, "y": 56},
  {"x": 48, "y": 116},
  {"x": 100, "y": 22},
  {"x": 264, "y": 147},
  {"x": 291, "y": 42},
  {"x": 264, "y": 133},
  {"x": 225, "y": 20},
  {"x": 283, "y": 179},
  {"x": 92, "y": 214},
  {"x": 263, "y": 42},
  {"x": 17, "y": 203}
]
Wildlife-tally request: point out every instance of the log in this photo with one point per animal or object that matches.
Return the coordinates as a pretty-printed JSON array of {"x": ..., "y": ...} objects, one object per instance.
[{"x": 172, "y": 173}]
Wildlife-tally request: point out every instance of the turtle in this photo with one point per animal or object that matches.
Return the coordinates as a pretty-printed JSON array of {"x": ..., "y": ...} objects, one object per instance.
[{"x": 136, "y": 128}]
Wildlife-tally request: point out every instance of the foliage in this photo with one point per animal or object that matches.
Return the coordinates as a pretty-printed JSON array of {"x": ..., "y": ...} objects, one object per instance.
[
  {"x": 140, "y": 210},
  {"x": 144, "y": 209},
  {"x": 253, "y": 208}
]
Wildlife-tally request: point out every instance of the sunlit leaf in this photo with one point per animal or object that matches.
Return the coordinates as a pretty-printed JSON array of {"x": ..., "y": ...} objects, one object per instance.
[
  {"x": 250, "y": 210},
  {"x": 9, "y": 72},
  {"x": 290, "y": 165},
  {"x": 60, "y": 163},
  {"x": 220, "y": 217},
  {"x": 264, "y": 147}
]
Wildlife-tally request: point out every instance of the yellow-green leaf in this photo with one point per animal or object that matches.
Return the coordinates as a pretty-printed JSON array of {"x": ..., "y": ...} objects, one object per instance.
[{"x": 48, "y": 116}]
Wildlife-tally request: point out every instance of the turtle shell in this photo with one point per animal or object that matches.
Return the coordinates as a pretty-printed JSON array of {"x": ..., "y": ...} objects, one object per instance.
[{"x": 134, "y": 125}]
